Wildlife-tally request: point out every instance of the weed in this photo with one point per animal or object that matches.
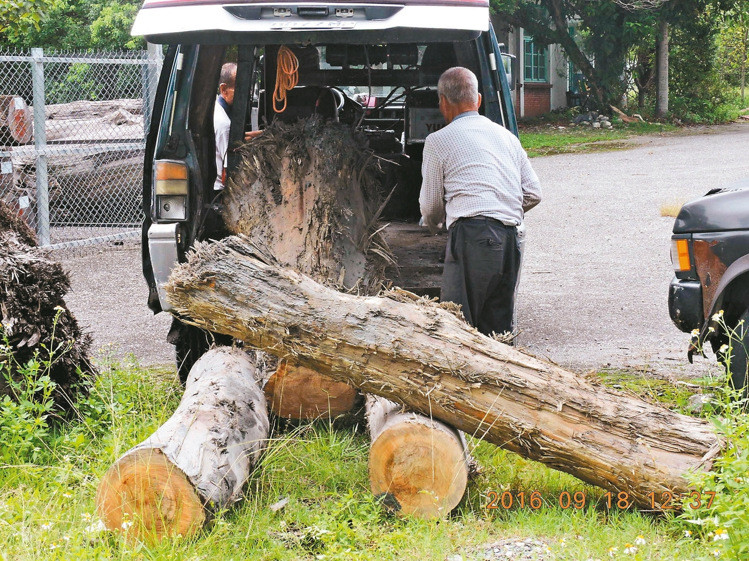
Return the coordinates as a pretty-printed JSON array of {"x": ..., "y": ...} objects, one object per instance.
[{"x": 725, "y": 522}]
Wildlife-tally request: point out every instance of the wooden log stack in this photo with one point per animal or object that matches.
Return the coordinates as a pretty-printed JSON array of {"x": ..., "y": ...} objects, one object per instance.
[{"x": 421, "y": 355}]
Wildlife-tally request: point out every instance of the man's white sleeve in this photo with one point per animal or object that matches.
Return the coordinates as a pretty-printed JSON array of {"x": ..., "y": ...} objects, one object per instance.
[
  {"x": 529, "y": 182},
  {"x": 432, "y": 196}
]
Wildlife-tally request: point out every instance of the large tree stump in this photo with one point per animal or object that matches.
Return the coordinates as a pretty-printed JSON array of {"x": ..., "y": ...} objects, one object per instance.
[
  {"x": 419, "y": 354},
  {"x": 196, "y": 462},
  {"x": 419, "y": 464},
  {"x": 307, "y": 193},
  {"x": 34, "y": 319}
]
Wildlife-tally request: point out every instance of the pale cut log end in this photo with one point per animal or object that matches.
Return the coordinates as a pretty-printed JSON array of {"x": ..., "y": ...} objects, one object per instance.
[
  {"x": 146, "y": 497},
  {"x": 296, "y": 392},
  {"x": 422, "y": 468}
]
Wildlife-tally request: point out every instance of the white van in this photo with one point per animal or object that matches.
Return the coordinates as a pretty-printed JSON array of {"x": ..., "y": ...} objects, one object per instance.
[{"x": 378, "y": 62}]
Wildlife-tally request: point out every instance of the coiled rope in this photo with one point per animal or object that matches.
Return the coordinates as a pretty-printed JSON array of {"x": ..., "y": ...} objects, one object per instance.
[{"x": 287, "y": 76}]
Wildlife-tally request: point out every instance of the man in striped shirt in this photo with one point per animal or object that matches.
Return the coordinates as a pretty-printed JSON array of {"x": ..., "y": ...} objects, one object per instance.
[{"x": 477, "y": 180}]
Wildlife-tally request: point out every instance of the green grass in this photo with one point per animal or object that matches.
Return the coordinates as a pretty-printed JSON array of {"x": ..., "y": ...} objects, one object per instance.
[
  {"x": 545, "y": 141},
  {"x": 47, "y": 507}
]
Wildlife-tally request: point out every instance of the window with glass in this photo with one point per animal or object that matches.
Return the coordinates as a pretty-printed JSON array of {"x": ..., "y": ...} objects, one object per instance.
[{"x": 536, "y": 61}]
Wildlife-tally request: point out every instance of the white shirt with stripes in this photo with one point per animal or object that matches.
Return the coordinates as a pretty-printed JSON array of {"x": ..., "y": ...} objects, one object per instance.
[{"x": 475, "y": 167}]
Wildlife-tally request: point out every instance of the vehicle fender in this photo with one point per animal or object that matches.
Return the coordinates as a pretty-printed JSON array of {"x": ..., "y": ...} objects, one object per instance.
[{"x": 736, "y": 269}]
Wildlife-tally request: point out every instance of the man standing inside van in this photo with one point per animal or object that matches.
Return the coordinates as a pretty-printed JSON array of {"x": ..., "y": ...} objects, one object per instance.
[
  {"x": 478, "y": 181},
  {"x": 222, "y": 119}
]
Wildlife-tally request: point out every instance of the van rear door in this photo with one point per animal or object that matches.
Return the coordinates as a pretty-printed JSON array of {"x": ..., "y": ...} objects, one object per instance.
[{"x": 254, "y": 21}]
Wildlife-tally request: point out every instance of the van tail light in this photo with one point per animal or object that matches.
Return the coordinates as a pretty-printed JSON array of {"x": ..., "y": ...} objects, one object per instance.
[
  {"x": 680, "y": 255},
  {"x": 171, "y": 189}
]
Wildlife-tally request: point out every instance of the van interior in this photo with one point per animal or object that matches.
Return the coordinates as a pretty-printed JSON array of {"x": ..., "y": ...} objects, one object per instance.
[{"x": 388, "y": 92}]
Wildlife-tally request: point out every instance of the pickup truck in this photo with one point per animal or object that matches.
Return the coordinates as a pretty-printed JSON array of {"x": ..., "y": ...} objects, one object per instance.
[
  {"x": 709, "y": 295},
  {"x": 380, "y": 62}
]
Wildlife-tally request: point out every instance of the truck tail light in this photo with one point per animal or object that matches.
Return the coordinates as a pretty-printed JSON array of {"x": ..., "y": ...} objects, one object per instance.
[
  {"x": 171, "y": 189},
  {"x": 680, "y": 255}
]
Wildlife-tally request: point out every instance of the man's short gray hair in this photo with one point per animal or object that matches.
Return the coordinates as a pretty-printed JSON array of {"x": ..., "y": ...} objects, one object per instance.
[
  {"x": 228, "y": 74},
  {"x": 458, "y": 85}
]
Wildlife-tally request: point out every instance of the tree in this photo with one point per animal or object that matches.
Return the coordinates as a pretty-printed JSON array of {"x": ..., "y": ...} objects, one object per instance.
[
  {"x": 733, "y": 45},
  {"x": 78, "y": 25},
  {"x": 608, "y": 28},
  {"x": 22, "y": 15}
]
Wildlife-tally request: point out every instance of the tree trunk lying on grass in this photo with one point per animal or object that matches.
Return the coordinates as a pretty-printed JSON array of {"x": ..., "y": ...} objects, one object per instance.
[
  {"x": 418, "y": 353},
  {"x": 419, "y": 464},
  {"x": 196, "y": 462}
]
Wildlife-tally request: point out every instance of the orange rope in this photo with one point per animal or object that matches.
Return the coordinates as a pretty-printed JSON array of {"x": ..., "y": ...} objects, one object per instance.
[{"x": 287, "y": 66}]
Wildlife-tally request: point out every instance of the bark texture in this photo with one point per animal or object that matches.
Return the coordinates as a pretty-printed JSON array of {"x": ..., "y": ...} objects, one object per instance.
[
  {"x": 661, "y": 54},
  {"x": 196, "y": 462},
  {"x": 419, "y": 464},
  {"x": 418, "y": 353}
]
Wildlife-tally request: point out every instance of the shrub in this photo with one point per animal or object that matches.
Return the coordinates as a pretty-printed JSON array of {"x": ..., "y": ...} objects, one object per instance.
[{"x": 726, "y": 521}]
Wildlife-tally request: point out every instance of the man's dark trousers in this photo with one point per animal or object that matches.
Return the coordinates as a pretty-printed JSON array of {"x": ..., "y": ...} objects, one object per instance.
[{"x": 481, "y": 270}]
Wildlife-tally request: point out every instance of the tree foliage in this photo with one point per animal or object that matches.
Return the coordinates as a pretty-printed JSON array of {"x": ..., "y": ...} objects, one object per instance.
[
  {"x": 78, "y": 25},
  {"x": 22, "y": 15},
  {"x": 607, "y": 31}
]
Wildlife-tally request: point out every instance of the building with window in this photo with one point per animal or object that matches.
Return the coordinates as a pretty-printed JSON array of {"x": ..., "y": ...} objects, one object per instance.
[{"x": 545, "y": 78}]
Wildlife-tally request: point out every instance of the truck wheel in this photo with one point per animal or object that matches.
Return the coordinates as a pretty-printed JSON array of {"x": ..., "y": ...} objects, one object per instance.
[
  {"x": 190, "y": 343},
  {"x": 740, "y": 352}
]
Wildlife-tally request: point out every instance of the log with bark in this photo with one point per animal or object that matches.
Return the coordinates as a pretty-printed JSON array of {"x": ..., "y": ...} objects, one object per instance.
[
  {"x": 419, "y": 465},
  {"x": 422, "y": 355},
  {"x": 308, "y": 193},
  {"x": 197, "y": 461}
]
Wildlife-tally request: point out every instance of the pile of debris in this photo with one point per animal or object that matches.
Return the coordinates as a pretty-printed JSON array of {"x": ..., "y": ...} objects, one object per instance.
[
  {"x": 35, "y": 321},
  {"x": 593, "y": 119}
]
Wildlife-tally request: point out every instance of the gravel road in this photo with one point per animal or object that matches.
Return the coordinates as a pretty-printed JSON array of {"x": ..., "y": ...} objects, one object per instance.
[{"x": 596, "y": 271}]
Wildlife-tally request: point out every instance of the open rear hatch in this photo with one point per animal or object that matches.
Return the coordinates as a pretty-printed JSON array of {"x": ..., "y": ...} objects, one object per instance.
[{"x": 253, "y": 21}]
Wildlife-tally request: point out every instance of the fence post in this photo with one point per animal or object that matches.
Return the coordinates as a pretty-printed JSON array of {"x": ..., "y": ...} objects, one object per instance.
[{"x": 40, "y": 146}]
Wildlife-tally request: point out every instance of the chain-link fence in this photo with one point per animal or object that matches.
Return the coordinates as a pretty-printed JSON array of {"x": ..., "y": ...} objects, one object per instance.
[{"x": 72, "y": 137}]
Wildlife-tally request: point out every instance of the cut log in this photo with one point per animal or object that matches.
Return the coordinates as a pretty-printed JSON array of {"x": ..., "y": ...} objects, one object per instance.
[
  {"x": 417, "y": 353},
  {"x": 196, "y": 462},
  {"x": 297, "y": 392},
  {"x": 418, "y": 464},
  {"x": 15, "y": 121}
]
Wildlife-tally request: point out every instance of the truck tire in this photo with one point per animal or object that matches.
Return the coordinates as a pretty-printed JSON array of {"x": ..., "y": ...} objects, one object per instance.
[{"x": 190, "y": 343}]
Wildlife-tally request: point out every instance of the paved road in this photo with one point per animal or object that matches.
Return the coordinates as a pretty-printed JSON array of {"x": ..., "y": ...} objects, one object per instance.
[
  {"x": 596, "y": 272},
  {"x": 595, "y": 279}
]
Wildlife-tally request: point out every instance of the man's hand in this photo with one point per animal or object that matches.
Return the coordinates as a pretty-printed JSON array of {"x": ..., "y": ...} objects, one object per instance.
[
  {"x": 249, "y": 135},
  {"x": 432, "y": 229}
]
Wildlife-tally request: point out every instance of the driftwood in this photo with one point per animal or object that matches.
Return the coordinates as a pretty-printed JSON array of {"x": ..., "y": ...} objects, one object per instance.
[
  {"x": 419, "y": 354},
  {"x": 418, "y": 464},
  {"x": 195, "y": 463},
  {"x": 34, "y": 316}
]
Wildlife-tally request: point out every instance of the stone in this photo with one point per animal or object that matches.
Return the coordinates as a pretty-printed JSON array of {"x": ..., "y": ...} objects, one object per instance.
[{"x": 596, "y": 125}]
